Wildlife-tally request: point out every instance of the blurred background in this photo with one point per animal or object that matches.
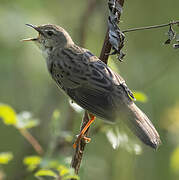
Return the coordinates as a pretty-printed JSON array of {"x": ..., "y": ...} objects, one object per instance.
[{"x": 149, "y": 67}]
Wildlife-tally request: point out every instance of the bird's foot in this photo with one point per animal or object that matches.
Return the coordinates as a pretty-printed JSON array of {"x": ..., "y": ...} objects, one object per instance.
[
  {"x": 79, "y": 138},
  {"x": 82, "y": 133}
]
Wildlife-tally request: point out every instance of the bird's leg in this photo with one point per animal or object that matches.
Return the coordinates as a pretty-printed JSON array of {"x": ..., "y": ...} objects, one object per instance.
[{"x": 81, "y": 135}]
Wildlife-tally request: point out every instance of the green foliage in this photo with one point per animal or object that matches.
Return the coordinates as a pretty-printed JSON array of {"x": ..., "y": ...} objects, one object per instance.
[
  {"x": 140, "y": 96},
  {"x": 174, "y": 160},
  {"x": 32, "y": 162},
  {"x": 22, "y": 120},
  {"x": 48, "y": 168},
  {"x": 46, "y": 172},
  {"x": 64, "y": 174},
  {"x": 5, "y": 157},
  {"x": 8, "y": 114},
  {"x": 26, "y": 121},
  {"x": 40, "y": 164}
]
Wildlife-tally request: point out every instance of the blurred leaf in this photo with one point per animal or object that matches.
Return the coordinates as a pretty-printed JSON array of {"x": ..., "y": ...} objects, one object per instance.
[
  {"x": 8, "y": 114},
  {"x": 63, "y": 170},
  {"x": 71, "y": 177},
  {"x": 5, "y": 157},
  {"x": 170, "y": 120},
  {"x": 45, "y": 172},
  {"x": 140, "y": 96},
  {"x": 54, "y": 164},
  {"x": 25, "y": 120},
  {"x": 32, "y": 162},
  {"x": 120, "y": 139},
  {"x": 56, "y": 114},
  {"x": 174, "y": 160},
  {"x": 113, "y": 138}
]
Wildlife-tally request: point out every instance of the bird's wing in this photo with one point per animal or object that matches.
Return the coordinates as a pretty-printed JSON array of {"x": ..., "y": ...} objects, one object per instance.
[
  {"x": 96, "y": 84},
  {"x": 93, "y": 100},
  {"x": 86, "y": 67}
]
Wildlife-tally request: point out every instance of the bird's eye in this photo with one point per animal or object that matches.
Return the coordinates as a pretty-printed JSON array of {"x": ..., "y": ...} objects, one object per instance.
[{"x": 50, "y": 33}]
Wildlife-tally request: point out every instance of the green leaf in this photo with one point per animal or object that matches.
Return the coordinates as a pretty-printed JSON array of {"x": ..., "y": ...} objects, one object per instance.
[
  {"x": 63, "y": 170},
  {"x": 8, "y": 114},
  {"x": 32, "y": 162},
  {"x": 174, "y": 160},
  {"x": 56, "y": 114},
  {"x": 140, "y": 96},
  {"x": 5, "y": 157},
  {"x": 54, "y": 164},
  {"x": 26, "y": 121},
  {"x": 46, "y": 172},
  {"x": 71, "y": 177}
]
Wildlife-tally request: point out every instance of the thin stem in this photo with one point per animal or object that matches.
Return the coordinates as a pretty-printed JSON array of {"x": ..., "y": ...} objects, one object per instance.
[
  {"x": 105, "y": 49},
  {"x": 35, "y": 144},
  {"x": 85, "y": 19},
  {"x": 78, "y": 155},
  {"x": 151, "y": 27}
]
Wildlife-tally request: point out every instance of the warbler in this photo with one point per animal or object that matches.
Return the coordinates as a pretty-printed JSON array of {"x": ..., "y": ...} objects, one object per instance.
[{"x": 91, "y": 83}]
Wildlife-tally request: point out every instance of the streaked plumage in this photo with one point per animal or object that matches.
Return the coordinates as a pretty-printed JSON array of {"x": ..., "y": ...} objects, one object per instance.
[{"x": 91, "y": 83}]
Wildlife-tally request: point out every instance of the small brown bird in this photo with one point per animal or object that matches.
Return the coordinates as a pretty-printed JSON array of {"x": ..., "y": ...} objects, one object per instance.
[{"x": 91, "y": 83}]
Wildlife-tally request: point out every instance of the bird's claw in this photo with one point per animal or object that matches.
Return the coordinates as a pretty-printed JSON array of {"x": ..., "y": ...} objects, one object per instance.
[{"x": 79, "y": 137}]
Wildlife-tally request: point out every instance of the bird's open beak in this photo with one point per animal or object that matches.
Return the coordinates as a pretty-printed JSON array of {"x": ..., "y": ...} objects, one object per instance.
[{"x": 37, "y": 29}]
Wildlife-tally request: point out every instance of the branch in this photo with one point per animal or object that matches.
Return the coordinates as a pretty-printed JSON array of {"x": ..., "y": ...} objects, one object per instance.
[
  {"x": 151, "y": 27},
  {"x": 77, "y": 158},
  {"x": 85, "y": 19},
  {"x": 35, "y": 144}
]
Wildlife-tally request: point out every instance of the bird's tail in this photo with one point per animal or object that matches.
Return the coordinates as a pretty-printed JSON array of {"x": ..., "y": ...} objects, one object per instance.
[{"x": 142, "y": 127}]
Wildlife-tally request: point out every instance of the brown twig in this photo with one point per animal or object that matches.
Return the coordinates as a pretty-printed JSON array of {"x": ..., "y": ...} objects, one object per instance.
[
  {"x": 84, "y": 21},
  {"x": 35, "y": 144},
  {"x": 77, "y": 158},
  {"x": 105, "y": 49}
]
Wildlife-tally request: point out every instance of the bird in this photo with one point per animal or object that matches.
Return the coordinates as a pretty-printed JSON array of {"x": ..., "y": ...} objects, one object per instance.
[{"x": 90, "y": 83}]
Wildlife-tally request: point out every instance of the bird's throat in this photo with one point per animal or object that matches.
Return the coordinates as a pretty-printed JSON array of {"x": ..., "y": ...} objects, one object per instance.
[{"x": 45, "y": 50}]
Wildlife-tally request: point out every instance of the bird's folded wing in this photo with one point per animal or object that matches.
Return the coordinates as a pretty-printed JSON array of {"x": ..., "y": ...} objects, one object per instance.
[{"x": 95, "y": 101}]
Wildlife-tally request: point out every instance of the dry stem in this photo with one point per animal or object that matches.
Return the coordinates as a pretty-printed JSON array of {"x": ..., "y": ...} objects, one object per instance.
[
  {"x": 151, "y": 27},
  {"x": 35, "y": 144}
]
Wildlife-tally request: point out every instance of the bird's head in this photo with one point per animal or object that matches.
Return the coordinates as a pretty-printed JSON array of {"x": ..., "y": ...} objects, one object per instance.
[{"x": 50, "y": 36}]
